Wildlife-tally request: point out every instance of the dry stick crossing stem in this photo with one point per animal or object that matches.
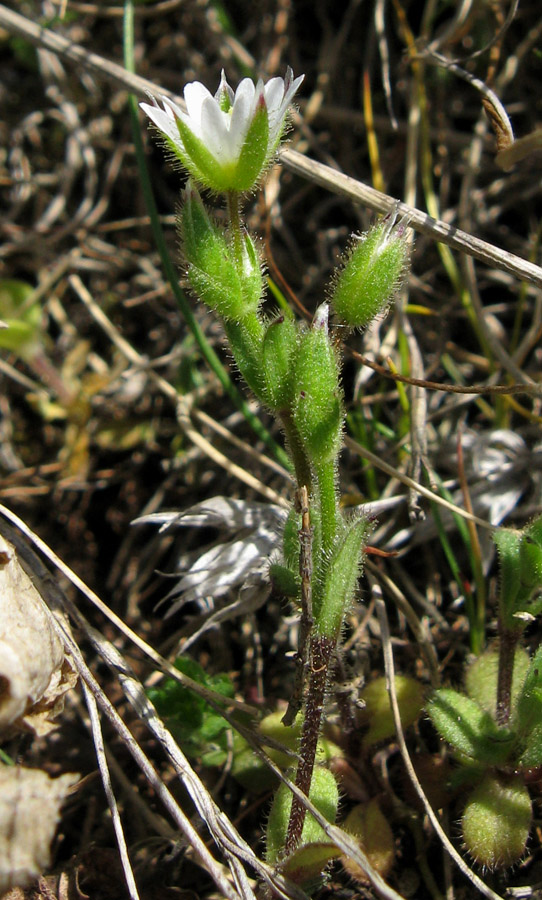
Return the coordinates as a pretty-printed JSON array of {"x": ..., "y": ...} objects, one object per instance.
[{"x": 306, "y": 622}]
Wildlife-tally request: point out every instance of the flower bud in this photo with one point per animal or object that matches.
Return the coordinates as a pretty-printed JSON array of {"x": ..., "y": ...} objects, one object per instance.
[
  {"x": 371, "y": 273},
  {"x": 318, "y": 408},
  {"x": 232, "y": 288}
]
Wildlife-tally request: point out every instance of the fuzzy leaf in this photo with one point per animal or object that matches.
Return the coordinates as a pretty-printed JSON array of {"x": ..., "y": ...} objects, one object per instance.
[
  {"x": 468, "y": 728},
  {"x": 324, "y": 793},
  {"x": 341, "y": 578},
  {"x": 378, "y": 713},
  {"x": 496, "y": 821}
]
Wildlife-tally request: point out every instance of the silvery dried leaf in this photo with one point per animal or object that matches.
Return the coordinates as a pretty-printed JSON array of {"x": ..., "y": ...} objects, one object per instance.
[
  {"x": 30, "y": 804},
  {"x": 250, "y": 535},
  {"x": 31, "y": 653}
]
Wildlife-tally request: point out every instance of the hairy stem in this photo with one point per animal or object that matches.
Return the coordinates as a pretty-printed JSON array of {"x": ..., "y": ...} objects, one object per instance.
[
  {"x": 321, "y": 650},
  {"x": 507, "y": 648}
]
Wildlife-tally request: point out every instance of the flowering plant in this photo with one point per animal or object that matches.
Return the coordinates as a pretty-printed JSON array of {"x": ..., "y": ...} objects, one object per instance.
[{"x": 226, "y": 141}]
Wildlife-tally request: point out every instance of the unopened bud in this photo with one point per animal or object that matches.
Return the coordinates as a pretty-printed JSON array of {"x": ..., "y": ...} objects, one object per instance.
[
  {"x": 233, "y": 289},
  {"x": 318, "y": 408},
  {"x": 372, "y": 271}
]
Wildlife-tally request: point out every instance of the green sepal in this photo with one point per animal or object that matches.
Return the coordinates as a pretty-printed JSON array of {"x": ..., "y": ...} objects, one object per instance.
[
  {"x": 377, "y": 707},
  {"x": 211, "y": 270},
  {"x": 317, "y": 407},
  {"x": 240, "y": 175},
  {"x": 250, "y": 276},
  {"x": 371, "y": 273},
  {"x": 253, "y": 156},
  {"x": 278, "y": 349},
  {"x": 198, "y": 160},
  {"x": 469, "y": 729},
  {"x": 324, "y": 793},
  {"x": 341, "y": 578},
  {"x": 497, "y": 820}
]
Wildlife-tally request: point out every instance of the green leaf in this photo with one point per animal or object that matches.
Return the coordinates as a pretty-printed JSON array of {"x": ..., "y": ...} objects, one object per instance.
[
  {"x": 531, "y": 758},
  {"x": 378, "y": 713},
  {"x": 368, "y": 824},
  {"x": 23, "y": 333},
  {"x": 194, "y": 723},
  {"x": 481, "y": 679},
  {"x": 324, "y": 793},
  {"x": 520, "y": 558},
  {"x": 496, "y": 821},
  {"x": 341, "y": 578},
  {"x": 285, "y": 582},
  {"x": 468, "y": 728}
]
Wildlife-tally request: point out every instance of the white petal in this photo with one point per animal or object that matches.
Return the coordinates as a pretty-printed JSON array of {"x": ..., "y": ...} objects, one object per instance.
[
  {"x": 215, "y": 131},
  {"x": 172, "y": 109},
  {"x": 176, "y": 113},
  {"x": 274, "y": 94},
  {"x": 275, "y": 123},
  {"x": 194, "y": 95},
  {"x": 241, "y": 115},
  {"x": 245, "y": 90},
  {"x": 163, "y": 120}
]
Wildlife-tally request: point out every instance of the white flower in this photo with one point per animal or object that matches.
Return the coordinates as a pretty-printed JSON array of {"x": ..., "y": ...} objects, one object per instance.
[{"x": 227, "y": 140}]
